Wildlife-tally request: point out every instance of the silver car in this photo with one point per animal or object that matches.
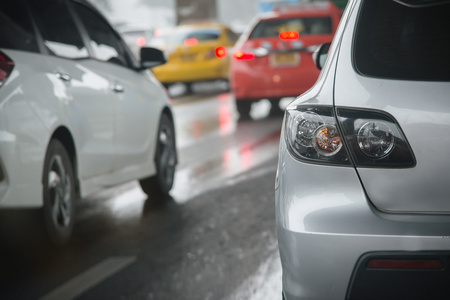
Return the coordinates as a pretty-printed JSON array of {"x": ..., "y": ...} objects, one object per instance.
[{"x": 362, "y": 188}]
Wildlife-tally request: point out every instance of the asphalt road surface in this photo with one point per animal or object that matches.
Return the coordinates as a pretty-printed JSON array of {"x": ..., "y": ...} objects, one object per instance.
[{"x": 214, "y": 238}]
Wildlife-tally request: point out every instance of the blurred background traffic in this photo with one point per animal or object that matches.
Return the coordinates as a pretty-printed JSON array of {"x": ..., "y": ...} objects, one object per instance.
[
  {"x": 199, "y": 40},
  {"x": 232, "y": 66}
]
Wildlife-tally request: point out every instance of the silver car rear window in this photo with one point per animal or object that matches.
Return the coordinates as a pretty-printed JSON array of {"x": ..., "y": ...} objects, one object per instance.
[{"x": 397, "y": 41}]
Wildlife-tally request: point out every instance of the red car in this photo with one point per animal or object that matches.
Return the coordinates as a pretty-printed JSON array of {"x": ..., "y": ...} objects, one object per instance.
[{"x": 273, "y": 57}]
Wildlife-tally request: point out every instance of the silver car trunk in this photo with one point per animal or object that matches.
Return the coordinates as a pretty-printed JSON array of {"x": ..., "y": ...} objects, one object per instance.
[{"x": 422, "y": 109}]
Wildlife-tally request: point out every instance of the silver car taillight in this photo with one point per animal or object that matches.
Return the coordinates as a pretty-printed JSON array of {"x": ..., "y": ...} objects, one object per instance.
[
  {"x": 6, "y": 67},
  {"x": 312, "y": 135},
  {"x": 373, "y": 139}
]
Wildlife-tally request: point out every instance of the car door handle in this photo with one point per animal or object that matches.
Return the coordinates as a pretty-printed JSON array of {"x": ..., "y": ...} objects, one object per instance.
[
  {"x": 117, "y": 88},
  {"x": 63, "y": 76}
]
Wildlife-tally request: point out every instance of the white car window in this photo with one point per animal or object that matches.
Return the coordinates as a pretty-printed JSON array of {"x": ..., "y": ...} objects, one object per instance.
[
  {"x": 104, "y": 42},
  {"x": 58, "y": 29},
  {"x": 16, "y": 29}
]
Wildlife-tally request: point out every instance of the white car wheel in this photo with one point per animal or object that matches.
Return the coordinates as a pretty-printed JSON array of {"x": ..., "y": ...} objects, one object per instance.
[
  {"x": 160, "y": 184},
  {"x": 58, "y": 193}
]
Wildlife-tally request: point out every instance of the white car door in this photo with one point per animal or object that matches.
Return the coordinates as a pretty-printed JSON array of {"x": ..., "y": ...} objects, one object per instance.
[
  {"x": 89, "y": 113},
  {"x": 137, "y": 97}
]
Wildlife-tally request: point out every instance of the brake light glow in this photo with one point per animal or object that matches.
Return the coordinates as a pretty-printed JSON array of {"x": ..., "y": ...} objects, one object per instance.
[
  {"x": 190, "y": 42},
  {"x": 157, "y": 32},
  {"x": 289, "y": 35},
  {"x": 140, "y": 41},
  {"x": 403, "y": 264},
  {"x": 6, "y": 67},
  {"x": 241, "y": 55},
  {"x": 221, "y": 52}
]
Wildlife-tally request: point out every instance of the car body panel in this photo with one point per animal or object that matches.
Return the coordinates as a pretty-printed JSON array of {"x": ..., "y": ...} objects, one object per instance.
[
  {"x": 86, "y": 93},
  {"x": 24, "y": 137},
  {"x": 426, "y": 128},
  {"x": 323, "y": 226},
  {"x": 135, "y": 109}
]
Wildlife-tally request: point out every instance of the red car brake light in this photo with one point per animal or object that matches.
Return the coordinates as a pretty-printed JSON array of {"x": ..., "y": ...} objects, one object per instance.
[
  {"x": 6, "y": 67},
  {"x": 289, "y": 35},
  {"x": 221, "y": 52},
  {"x": 241, "y": 55},
  {"x": 157, "y": 32},
  {"x": 140, "y": 41}
]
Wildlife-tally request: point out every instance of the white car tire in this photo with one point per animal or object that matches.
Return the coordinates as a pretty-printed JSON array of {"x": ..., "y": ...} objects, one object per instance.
[
  {"x": 159, "y": 185},
  {"x": 58, "y": 193}
]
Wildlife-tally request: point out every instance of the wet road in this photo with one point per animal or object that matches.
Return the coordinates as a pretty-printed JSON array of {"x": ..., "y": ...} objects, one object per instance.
[{"x": 213, "y": 239}]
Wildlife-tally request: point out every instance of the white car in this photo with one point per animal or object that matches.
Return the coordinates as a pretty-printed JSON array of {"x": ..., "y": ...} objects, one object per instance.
[
  {"x": 78, "y": 113},
  {"x": 362, "y": 188}
]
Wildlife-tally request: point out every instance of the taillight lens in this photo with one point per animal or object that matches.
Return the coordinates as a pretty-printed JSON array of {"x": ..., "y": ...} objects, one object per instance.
[
  {"x": 312, "y": 134},
  {"x": 374, "y": 139},
  {"x": 6, "y": 67},
  {"x": 220, "y": 52},
  {"x": 242, "y": 55},
  {"x": 289, "y": 35}
]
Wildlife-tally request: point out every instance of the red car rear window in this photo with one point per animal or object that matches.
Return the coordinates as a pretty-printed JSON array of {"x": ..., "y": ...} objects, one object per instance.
[{"x": 304, "y": 26}]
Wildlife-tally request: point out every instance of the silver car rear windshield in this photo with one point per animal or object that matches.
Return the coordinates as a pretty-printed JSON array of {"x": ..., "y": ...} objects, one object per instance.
[{"x": 399, "y": 41}]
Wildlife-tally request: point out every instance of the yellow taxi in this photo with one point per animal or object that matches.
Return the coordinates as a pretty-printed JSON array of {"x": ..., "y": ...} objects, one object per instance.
[{"x": 196, "y": 52}]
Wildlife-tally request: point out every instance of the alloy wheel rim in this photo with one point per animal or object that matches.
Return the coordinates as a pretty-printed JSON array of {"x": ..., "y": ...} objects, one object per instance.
[
  {"x": 60, "y": 190},
  {"x": 167, "y": 154}
]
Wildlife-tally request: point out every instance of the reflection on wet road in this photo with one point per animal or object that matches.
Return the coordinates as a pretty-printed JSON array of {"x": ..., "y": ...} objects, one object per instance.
[{"x": 213, "y": 146}]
